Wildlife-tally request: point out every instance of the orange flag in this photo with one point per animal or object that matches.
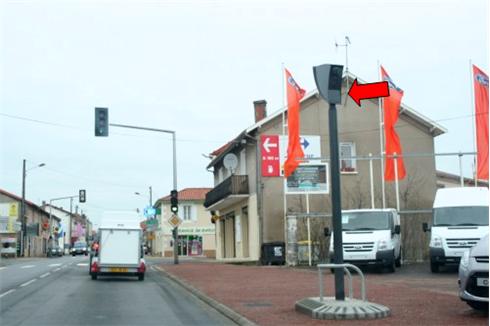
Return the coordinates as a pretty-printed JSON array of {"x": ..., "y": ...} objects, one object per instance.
[
  {"x": 295, "y": 152},
  {"x": 391, "y": 109},
  {"x": 480, "y": 81}
]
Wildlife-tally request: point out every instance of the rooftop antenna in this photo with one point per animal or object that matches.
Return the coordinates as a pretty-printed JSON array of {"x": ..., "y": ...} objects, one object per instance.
[{"x": 346, "y": 45}]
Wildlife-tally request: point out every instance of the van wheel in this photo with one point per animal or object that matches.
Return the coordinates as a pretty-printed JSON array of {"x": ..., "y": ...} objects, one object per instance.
[
  {"x": 434, "y": 267},
  {"x": 141, "y": 277},
  {"x": 94, "y": 276},
  {"x": 398, "y": 261},
  {"x": 478, "y": 305}
]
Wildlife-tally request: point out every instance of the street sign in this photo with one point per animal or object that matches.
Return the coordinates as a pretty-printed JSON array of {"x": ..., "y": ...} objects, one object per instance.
[
  {"x": 308, "y": 178},
  {"x": 269, "y": 148},
  {"x": 175, "y": 221},
  {"x": 149, "y": 211},
  {"x": 274, "y": 152}
]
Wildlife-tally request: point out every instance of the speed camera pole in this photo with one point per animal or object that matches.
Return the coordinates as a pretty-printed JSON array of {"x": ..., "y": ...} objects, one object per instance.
[{"x": 328, "y": 79}]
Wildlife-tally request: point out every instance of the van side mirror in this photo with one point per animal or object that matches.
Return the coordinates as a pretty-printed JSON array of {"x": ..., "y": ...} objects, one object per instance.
[
  {"x": 326, "y": 232},
  {"x": 397, "y": 229},
  {"x": 425, "y": 227}
]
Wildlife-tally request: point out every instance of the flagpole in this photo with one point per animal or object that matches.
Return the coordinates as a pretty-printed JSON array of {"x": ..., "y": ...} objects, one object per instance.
[
  {"x": 381, "y": 125},
  {"x": 396, "y": 184},
  {"x": 473, "y": 114},
  {"x": 284, "y": 196}
]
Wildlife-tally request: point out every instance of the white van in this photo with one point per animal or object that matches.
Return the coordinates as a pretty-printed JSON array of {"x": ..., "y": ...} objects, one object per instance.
[
  {"x": 459, "y": 221},
  {"x": 371, "y": 237},
  {"x": 120, "y": 249}
]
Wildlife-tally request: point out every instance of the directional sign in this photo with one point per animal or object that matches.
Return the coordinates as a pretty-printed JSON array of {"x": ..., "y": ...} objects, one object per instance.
[
  {"x": 270, "y": 155},
  {"x": 175, "y": 221},
  {"x": 309, "y": 143}
]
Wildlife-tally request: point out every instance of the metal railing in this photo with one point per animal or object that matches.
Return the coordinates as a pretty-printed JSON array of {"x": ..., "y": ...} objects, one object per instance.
[
  {"x": 234, "y": 185},
  {"x": 345, "y": 267}
]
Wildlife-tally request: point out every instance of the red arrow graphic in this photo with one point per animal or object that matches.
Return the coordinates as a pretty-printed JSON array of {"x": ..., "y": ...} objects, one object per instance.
[{"x": 372, "y": 90}]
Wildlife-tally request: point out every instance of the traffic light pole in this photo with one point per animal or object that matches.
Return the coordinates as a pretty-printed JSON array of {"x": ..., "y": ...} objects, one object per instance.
[{"x": 176, "y": 233}]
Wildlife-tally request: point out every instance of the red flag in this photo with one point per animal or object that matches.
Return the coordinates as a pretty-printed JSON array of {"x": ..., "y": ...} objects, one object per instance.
[
  {"x": 392, "y": 141},
  {"x": 295, "y": 152},
  {"x": 480, "y": 81}
]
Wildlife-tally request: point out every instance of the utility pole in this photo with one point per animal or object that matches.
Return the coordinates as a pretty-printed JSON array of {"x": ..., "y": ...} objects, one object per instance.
[
  {"x": 22, "y": 210},
  {"x": 151, "y": 200}
]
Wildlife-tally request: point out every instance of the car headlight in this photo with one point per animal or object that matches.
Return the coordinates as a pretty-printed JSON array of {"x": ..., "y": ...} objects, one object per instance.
[
  {"x": 465, "y": 259},
  {"x": 382, "y": 245},
  {"x": 436, "y": 242}
]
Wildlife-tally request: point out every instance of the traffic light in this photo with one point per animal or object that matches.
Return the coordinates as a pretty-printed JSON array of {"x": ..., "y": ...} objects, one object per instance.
[
  {"x": 82, "y": 196},
  {"x": 101, "y": 122},
  {"x": 174, "y": 201}
]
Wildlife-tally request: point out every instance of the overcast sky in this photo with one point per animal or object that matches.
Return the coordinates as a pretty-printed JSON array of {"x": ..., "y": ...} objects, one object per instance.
[{"x": 196, "y": 67}]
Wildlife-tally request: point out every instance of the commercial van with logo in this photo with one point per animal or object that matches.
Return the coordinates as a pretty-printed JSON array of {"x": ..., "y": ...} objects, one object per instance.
[
  {"x": 371, "y": 237},
  {"x": 120, "y": 251},
  {"x": 459, "y": 221}
]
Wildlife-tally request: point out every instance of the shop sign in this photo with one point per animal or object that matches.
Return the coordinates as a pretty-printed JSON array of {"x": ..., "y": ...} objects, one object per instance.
[{"x": 8, "y": 217}]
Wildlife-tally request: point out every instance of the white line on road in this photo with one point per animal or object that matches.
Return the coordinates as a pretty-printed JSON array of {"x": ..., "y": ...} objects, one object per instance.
[
  {"x": 5, "y": 293},
  {"x": 28, "y": 266},
  {"x": 82, "y": 264},
  {"x": 27, "y": 283},
  {"x": 56, "y": 269},
  {"x": 52, "y": 265},
  {"x": 45, "y": 274},
  {"x": 2, "y": 268}
]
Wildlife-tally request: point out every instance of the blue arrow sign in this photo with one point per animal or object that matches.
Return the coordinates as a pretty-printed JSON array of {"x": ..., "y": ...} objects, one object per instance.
[{"x": 304, "y": 143}]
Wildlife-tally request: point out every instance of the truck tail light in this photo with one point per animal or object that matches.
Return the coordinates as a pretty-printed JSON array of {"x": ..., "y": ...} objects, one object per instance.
[
  {"x": 142, "y": 268},
  {"x": 94, "y": 268}
]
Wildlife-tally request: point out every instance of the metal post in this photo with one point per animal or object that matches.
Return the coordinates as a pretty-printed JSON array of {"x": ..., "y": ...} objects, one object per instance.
[
  {"x": 397, "y": 191},
  {"x": 71, "y": 222},
  {"x": 461, "y": 177},
  {"x": 336, "y": 201},
  {"x": 371, "y": 179},
  {"x": 308, "y": 227},
  {"x": 23, "y": 211},
  {"x": 151, "y": 200},
  {"x": 382, "y": 152},
  {"x": 176, "y": 254}
]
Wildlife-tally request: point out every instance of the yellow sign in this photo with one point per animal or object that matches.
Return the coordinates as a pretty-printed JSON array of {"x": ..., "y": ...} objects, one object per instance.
[
  {"x": 174, "y": 221},
  {"x": 14, "y": 209}
]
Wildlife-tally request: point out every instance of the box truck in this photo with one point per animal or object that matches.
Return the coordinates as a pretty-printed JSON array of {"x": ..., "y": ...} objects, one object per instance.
[
  {"x": 459, "y": 221},
  {"x": 371, "y": 237},
  {"x": 120, "y": 249}
]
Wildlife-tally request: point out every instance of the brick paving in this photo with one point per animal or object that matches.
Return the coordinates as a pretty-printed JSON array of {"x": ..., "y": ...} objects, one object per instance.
[{"x": 266, "y": 294}]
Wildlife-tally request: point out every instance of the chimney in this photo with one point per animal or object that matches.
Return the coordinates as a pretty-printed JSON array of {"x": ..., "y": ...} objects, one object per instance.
[{"x": 260, "y": 110}]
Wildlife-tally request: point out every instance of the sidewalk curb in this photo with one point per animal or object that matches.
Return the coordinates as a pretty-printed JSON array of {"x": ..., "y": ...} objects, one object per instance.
[{"x": 223, "y": 309}]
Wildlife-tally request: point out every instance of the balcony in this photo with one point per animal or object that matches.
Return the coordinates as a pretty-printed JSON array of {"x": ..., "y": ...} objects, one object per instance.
[{"x": 231, "y": 190}]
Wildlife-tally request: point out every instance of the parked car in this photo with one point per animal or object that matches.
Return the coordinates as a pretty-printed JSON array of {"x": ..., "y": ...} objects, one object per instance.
[
  {"x": 79, "y": 248},
  {"x": 55, "y": 251},
  {"x": 473, "y": 276},
  {"x": 460, "y": 220},
  {"x": 370, "y": 237}
]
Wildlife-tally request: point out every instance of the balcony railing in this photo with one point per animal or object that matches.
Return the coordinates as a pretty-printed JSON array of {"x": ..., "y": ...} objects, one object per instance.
[{"x": 234, "y": 185}]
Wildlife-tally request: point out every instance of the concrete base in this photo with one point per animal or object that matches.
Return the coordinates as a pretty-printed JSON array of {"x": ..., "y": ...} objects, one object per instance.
[{"x": 330, "y": 308}]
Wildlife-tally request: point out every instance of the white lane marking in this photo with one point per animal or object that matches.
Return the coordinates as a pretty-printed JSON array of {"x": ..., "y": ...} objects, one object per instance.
[
  {"x": 28, "y": 266},
  {"x": 52, "y": 265},
  {"x": 82, "y": 264},
  {"x": 56, "y": 269},
  {"x": 2, "y": 268},
  {"x": 45, "y": 274},
  {"x": 27, "y": 283},
  {"x": 5, "y": 293}
]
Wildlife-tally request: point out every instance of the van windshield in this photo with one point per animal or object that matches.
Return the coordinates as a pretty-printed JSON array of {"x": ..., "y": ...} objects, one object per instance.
[
  {"x": 366, "y": 221},
  {"x": 461, "y": 216}
]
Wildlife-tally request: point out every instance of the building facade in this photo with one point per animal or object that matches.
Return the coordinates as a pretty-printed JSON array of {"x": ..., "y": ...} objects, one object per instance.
[
  {"x": 196, "y": 233},
  {"x": 38, "y": 222},
  {"x": 252, "y": 208}
]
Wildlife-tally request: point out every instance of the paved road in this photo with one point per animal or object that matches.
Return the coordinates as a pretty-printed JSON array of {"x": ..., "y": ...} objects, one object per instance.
[{"x": 37, "y": 292}]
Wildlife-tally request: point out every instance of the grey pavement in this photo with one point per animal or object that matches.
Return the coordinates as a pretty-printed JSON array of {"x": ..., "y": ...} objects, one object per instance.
[{"x": 66, "y": 295}]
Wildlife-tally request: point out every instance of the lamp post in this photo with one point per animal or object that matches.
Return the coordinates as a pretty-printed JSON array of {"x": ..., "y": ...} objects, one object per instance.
[
  {"x": 150, "y": 198},
  {"x": 23, "y": 205}
]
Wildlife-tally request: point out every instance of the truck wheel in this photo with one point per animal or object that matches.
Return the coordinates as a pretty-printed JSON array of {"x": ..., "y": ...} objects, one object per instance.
[
  {"x": 141, "y": 277},
  {"x": 434, "y": 267},
  {"x": 94, "y": 276}
]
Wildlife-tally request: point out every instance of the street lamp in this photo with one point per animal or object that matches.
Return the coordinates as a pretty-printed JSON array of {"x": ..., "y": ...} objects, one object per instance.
[
  {"x": 23, "y": 204},
  {"x": 150, "y": 198}
]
